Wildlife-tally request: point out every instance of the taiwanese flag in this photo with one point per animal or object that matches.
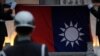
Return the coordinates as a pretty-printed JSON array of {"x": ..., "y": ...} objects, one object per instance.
[{"x": 61, "y": 28}]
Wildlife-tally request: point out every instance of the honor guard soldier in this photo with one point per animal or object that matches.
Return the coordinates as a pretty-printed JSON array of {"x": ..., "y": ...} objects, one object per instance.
[{"x": 23, "y": 46}]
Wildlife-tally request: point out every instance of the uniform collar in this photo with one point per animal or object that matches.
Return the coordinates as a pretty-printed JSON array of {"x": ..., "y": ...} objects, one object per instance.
[{"x": 22, "y": 40}]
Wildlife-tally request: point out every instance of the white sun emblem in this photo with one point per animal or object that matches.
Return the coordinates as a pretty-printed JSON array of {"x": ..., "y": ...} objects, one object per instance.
[{"x": 71, "y": 34}]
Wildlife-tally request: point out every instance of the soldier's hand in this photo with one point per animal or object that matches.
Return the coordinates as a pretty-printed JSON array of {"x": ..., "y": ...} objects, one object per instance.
[{"x": 90, "y": 5}]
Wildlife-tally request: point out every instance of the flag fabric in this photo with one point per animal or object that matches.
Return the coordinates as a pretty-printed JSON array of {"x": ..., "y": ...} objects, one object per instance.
[
  {"x": 61, "y": 28},
  {"x": 71, "y": 28}
]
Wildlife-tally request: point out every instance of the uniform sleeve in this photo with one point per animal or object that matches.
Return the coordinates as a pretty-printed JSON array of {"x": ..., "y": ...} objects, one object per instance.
[
  {"x": 8, "y": 15},
  {"x": 94, "y": 12}
]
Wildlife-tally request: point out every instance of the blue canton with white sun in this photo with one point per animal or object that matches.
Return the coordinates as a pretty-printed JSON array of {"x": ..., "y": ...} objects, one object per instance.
[
  {"x": 71, "y": 34},
  {"x": 71, "y": 31}
]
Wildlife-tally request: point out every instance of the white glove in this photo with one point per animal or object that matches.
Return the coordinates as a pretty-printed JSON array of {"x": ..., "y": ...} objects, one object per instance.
[
  {"x": 13, "y": 5},
  {"x": 90, "y": 6}
]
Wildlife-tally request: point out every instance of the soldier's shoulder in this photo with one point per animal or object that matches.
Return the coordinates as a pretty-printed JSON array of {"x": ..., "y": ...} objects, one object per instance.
[
  {"x": 36, "y": 44},
  {"x": 9, "y": 49}
]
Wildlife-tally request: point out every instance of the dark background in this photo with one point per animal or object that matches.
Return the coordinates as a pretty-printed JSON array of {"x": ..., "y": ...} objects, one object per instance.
[{"x": 96, "y": 1}]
